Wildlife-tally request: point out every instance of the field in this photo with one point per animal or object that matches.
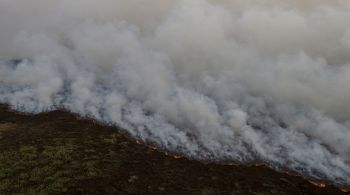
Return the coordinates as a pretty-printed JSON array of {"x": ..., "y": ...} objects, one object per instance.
[{"x": 60, "y": 153}]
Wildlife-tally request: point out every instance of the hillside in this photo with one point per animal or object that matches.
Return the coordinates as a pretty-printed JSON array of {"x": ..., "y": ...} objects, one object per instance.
[{"x": 60, "y": 153}]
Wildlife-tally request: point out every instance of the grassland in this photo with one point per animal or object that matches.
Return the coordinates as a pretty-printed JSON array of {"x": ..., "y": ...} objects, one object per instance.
[{"x": 58, "y": 153}]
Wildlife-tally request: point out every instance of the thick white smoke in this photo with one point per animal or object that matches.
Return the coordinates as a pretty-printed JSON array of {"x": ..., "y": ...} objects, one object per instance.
[{"x": 215, "y": 79}]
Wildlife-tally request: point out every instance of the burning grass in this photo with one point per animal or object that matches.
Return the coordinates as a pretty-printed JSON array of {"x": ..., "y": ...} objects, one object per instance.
[{"x": 59, "y": 153}]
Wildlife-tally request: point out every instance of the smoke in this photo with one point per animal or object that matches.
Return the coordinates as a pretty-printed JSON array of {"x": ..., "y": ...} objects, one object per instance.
[{"x": 214, "y": 79}]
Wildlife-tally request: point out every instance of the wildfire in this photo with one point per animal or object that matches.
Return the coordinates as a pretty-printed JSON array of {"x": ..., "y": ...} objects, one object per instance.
[
  {"x": 233, "y": 164},
  {"x": 261, "y": 165},
  {"x": 152, "y": 147},
  {"x": 318, "y": 184},
  {"x": 173, "y": 155},
  {"x": 346, "y": 190},
  {"x": 138, "y": 142},
  {"x": 177, "y": 156}
]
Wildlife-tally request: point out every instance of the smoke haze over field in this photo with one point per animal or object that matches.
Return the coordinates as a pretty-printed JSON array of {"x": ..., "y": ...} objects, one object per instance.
[{"x": 214, "y": 79}]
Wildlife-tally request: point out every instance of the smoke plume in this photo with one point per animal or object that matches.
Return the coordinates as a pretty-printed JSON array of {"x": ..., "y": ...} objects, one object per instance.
[{"x": 265, "y": 80}]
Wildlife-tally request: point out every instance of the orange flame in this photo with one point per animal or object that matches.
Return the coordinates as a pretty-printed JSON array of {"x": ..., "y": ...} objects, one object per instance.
[
  {"x": 173, "y": 155},
  {"x": 318, "y": 184}
]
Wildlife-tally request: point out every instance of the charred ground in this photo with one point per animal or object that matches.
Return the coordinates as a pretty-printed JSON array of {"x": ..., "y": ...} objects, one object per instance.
[{"x": 59, "y": 153}]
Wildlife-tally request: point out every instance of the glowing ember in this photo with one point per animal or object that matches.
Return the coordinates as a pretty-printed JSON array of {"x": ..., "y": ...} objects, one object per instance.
[
  {"x": 177, "y": 156},
  {"x": 318, "y": 184},
  {"x": 345, "y": 190},
  {"x": 152, "y": 147},
  {"x": 261, "y": 165},
  {"x": 233, "y": 164},
  {"x": 138, "y": 142},
  {"x": 173, "y": 155}
]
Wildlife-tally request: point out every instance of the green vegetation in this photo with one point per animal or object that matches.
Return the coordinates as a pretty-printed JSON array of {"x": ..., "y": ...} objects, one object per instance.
[{"x": 53, "y": 167}]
